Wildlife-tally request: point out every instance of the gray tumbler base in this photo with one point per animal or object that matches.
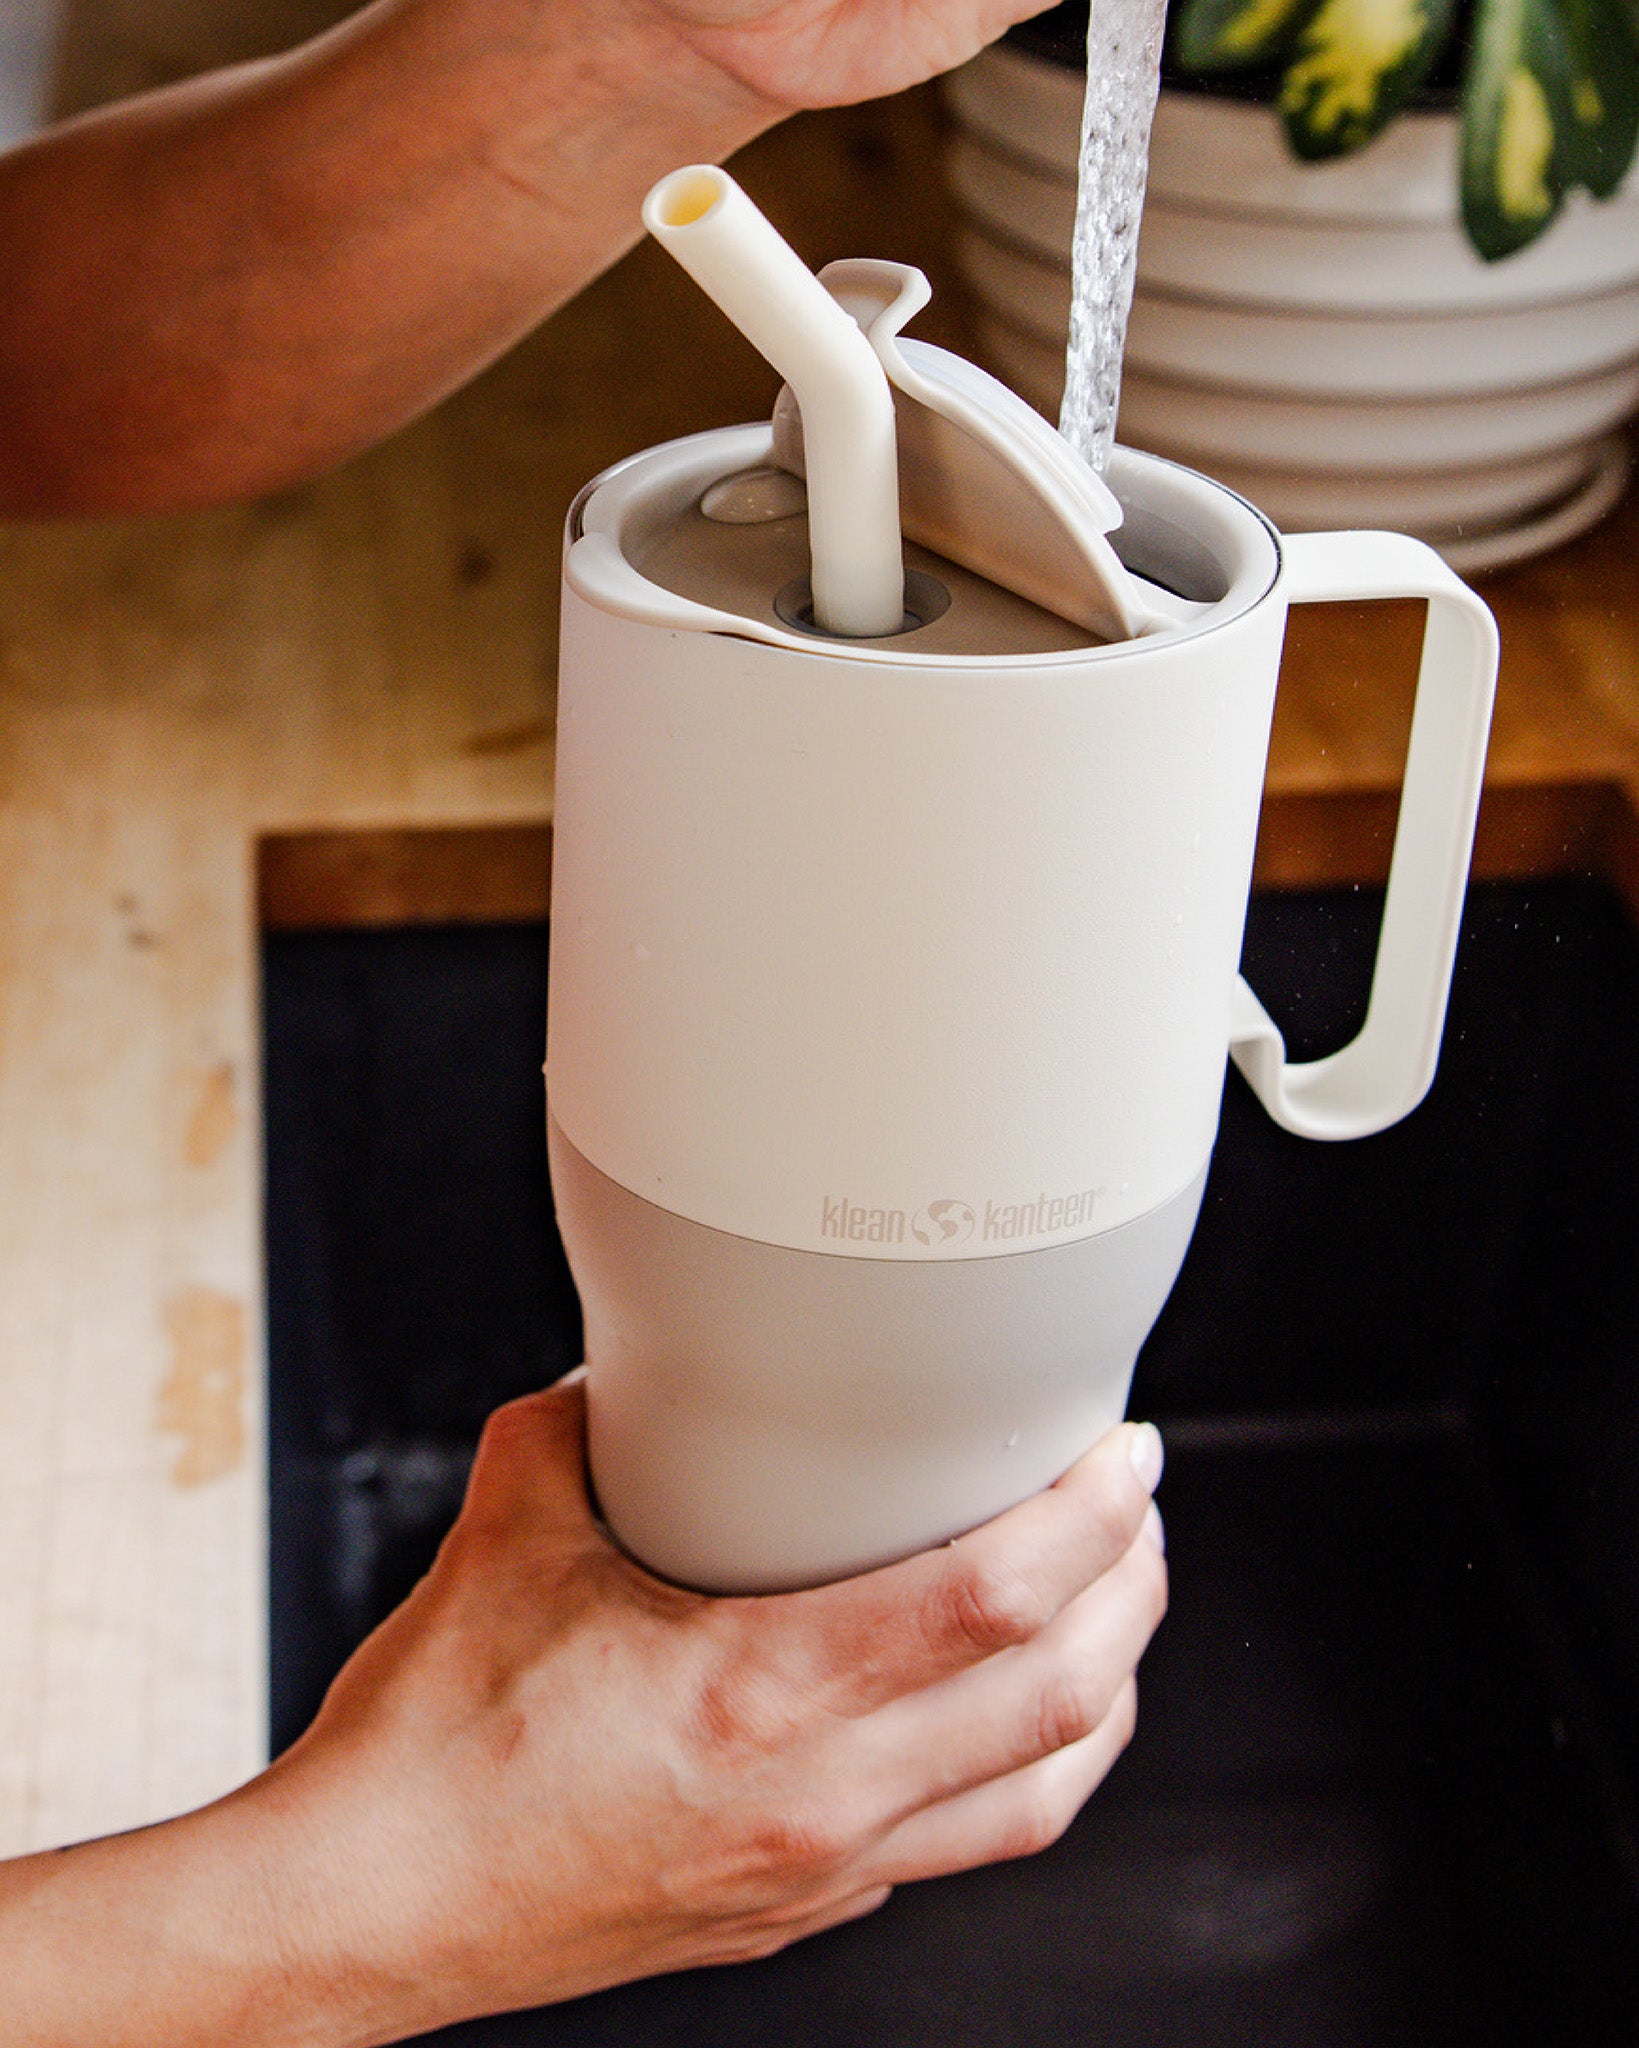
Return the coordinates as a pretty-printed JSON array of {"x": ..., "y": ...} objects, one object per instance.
[{"x": 763, "y": 1418}]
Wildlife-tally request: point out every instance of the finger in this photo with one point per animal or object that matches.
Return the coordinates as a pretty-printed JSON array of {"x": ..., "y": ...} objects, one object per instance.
[
  {"x": 895, "y": 1631},
  {"x": 1005, "y": 1714},
  {"x": 1014, "y": 1816}
]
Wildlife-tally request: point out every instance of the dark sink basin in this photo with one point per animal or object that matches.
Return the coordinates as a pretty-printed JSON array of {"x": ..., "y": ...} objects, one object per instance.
[{"x": 1382, "y": 1788}]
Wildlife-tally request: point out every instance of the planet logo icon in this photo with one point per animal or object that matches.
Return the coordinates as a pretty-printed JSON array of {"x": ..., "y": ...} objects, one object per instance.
[{"x": 942, "y": 1224}]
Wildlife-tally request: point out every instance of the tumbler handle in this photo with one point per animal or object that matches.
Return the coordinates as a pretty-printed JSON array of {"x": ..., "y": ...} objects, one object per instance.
[{"x": 1385, "y": 1071}]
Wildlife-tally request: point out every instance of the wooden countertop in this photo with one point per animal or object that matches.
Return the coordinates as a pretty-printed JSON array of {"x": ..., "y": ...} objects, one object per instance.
[{"x": 337, "y": 706}]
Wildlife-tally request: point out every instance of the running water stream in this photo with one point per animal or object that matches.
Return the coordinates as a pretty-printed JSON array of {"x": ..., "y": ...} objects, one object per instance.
[{"x": 1123, "y": 75}]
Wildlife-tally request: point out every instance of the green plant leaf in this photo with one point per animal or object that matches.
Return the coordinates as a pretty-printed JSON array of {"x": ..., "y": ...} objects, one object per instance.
[
  {"x": 1519, "y": 124},
  {"x": 1234, "y": 35},
  {"x": 1357, "y": 62},
  {"x": 1604, "y": 59}
]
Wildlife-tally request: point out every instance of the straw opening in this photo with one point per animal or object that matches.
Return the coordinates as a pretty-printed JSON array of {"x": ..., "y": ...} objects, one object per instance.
[{"x": 689, "y": 196}]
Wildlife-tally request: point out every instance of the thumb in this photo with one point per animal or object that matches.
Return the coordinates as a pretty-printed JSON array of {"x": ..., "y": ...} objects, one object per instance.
[{"x": 531, "y": 1462}]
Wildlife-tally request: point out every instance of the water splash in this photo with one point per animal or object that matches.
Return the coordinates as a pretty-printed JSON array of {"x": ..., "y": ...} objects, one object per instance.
[{"x": 1123, "y": 76}]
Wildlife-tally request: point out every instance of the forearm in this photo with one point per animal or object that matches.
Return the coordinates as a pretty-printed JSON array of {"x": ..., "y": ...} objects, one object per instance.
[
  {"x": 237, "y": 282},
  {"x": 192, "y": 1934}
]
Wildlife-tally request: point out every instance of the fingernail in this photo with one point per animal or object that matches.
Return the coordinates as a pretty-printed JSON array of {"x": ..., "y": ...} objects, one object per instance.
[
  {"x": 1153, "y": 1529},
  {"x": 1145, "y": 1450}
]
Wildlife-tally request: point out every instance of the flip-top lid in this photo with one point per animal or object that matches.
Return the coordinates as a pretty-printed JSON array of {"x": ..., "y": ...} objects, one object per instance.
[{"x": 983, "y": 479}]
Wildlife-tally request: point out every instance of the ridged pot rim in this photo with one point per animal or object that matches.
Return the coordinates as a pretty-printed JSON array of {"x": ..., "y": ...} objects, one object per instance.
[{"x": 1223, "y": 152}]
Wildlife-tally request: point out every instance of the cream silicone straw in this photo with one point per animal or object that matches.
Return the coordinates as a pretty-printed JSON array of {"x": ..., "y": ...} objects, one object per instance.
[{"x": 734, "y": 254}]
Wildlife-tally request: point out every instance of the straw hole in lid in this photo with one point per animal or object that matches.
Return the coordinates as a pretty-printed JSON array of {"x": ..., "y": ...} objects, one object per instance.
[{"x": 926, "y": 599}]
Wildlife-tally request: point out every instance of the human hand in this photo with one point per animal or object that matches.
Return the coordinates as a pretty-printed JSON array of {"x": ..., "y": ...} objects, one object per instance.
[
  {"x": 397, "y": 201},
  {"x": 550, "y": 1772},
  {"x": 821, "y": 53}
]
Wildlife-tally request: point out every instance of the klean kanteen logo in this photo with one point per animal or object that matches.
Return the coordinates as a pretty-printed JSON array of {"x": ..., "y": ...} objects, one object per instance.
[{"x": 945, "y": 1224}]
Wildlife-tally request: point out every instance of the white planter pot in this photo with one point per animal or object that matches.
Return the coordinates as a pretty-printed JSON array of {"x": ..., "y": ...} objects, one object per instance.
[{"x": 1322, "y": 336}]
